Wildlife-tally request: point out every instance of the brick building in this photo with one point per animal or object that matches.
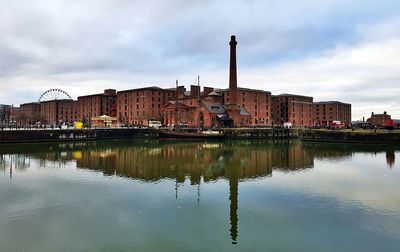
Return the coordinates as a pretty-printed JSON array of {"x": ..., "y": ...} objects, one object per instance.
[
  {"x": 258, "y": 103},
  {"x": 178, "y": 113},
  {"x": 8, "y": 115},
  {"x": 326, "y": 112},
  {"x": 97, "y": 105},
  {"x": 190, "y": 108},
  {"x": 138, "y": 106},
  {"x": 29, "y": 113},
  {"x": 294, "y": 109},
  {"x": 201, "y": 109},
  {"x": 378, "y": 119},
  {"x": 58, "y": 111},
  {"x": 14, "y": 115}
]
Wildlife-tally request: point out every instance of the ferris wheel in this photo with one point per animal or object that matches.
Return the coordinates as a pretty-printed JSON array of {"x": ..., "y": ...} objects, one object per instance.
[{"x": 54, "y": 94}]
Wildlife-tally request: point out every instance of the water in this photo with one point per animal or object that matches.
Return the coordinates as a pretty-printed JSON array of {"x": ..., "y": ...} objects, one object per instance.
[{"x": 217, "y": 196}]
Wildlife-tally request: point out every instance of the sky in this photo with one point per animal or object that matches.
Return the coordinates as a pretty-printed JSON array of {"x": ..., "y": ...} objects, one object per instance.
[{"x": 345, "y": 50}]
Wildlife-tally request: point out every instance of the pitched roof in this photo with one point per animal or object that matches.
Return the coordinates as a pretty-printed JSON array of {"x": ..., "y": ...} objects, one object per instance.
[
  {"x": 214, "y": 108},
  {"x": 177, "y": 104},
  {"x": 155, "y": 88},
  {"x": 243, "y": 111},
  {"x": 213, "y": 93},
  {"x": 331, "y": 102}
]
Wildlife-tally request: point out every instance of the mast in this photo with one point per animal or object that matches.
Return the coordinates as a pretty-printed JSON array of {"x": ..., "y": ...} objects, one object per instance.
[
  {"x": 198, "y": 103},
  {"x": 177, "y": 105}
]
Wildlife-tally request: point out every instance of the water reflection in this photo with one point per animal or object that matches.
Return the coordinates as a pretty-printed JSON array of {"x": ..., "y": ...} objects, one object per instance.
[
  {"x": 210, "y": 161},
  {"x": 12, "y": 162},
  {"x": 233, "y": 198},
  {"x": 150, "y": 161},
  {"x": 390, "y": 158}
]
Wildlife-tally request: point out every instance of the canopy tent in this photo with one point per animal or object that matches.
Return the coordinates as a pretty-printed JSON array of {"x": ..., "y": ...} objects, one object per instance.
[{"x": 104, "y": 121}]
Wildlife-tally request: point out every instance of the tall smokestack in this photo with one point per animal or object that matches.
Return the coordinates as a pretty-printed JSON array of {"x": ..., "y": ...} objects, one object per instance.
[{"x": 233, "y": 72}]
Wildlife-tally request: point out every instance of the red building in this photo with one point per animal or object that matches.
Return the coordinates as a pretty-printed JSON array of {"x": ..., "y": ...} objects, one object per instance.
[
  {"x": 378, "y": 119},
  {"x": 201, "y": 109},
  {"x": 29, "y": 113},
  {"x": 58, "y": 111},
  {"x": 138, "y": 106},
  {"x": 326, "y": 112},
  {"x": 294, "y": 109},
  {"x": 258, "y": 103},
  {"x": 96, "y": 105}
]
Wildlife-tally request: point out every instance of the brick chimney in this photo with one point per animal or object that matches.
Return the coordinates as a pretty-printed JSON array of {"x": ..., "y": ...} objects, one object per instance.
[
  {"x": 233, "y": 72},
  {"x": 233, "y": 108},
  {"x": 194, "y": 90}
]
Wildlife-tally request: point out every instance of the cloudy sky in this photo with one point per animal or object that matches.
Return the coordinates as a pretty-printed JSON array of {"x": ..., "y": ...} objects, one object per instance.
[{"x": 345, "y": 50}]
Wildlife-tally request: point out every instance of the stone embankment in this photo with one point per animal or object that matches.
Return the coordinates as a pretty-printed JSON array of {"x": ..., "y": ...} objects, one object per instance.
[
  {"x": 314, "y": 135},
  {"x": 69, "y": 135},
  {"x": 350, "y": 136},
  {"x": 256, "y": 133}
]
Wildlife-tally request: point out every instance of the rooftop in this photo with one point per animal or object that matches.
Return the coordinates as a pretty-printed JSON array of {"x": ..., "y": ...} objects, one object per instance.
[
  {"x": 292, "y": 95},
  {"x": 331, "y": 102},
  {"x": 244, "y": 89},
  {"x": 155, "y": 88}
]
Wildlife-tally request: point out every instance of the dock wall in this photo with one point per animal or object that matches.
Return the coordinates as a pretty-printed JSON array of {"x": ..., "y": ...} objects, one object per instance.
[
  {"x": 69, "y": 135},
  {"x": 313, "y": 135},
  {"x": 344, "y": 136}
]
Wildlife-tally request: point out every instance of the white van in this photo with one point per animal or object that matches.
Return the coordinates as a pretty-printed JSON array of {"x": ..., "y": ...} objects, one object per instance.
[
  {"x": 155, "y": 124},
  {"x": 287, "y": 125}
]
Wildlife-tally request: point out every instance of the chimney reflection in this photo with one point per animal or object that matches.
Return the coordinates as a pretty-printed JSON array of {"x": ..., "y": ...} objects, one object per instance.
[
  {"x": 390, "y": 158},
  {"x": 233, "y": 197}
]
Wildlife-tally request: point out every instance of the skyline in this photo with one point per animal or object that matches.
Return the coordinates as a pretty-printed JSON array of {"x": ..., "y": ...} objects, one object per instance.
[{"x": 335, "y": 50}]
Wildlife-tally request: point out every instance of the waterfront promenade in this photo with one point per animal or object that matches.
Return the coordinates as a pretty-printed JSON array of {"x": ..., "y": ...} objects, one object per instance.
[{"x": 379, "y": 136}]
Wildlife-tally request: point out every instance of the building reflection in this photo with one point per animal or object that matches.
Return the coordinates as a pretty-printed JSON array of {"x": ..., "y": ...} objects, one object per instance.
[
  {"x": 209, "y": 161},
  {"x": 10, "y": 162},
  {"x": 235, "y": 161},
  {"x": 390, "y": 158},
  {"x": 199, "y": 163}
]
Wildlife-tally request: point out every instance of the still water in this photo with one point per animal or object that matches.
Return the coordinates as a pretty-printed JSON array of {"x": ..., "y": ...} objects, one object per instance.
[{"x": 215, "y": 196}]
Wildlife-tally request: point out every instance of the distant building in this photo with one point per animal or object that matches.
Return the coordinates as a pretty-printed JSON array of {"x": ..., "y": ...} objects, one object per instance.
[
  {"x": 96, "y": 105},
  {"x": 8, "y": 115},
  {"x": 378, "y": 119},
  {"x": 58, "y": 111},
  {"x": 30, "y": 113},
  {"x": 325, "y": 112},
  {"x": 138, "y": 106},
  {"x": 293, "y": 109}
]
